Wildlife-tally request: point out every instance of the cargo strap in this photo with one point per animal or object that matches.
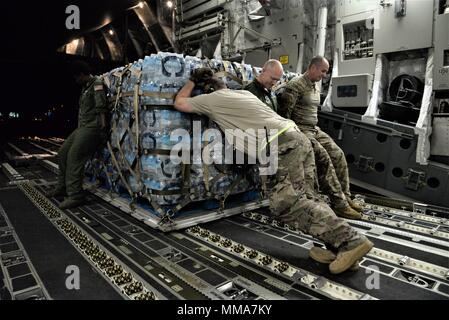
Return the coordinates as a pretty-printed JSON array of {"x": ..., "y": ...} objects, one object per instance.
[
  {"x": 208, "y": 64},
  {"x": 113, "y": 158},
  {"x": 125, "y": 161},
  {"x": 185, "y": 176},
  {"x": 264, "y": 181},
  {"x": 116, "y": 165},
  {"x": 158, "y": 107},
  {"x": 167, "y": 216},
  {"x": 103, "y": 167},
  {"x": 185, "y": 190},
  {"x": 245, "y": 75},
  {"x": 242, "y": 72},
  {"x": 95, "y": 173},
  {"x": 263, "y": 178},
  {"x": 135, "y": 138},
  {"x": 232, "y": 187},
  {"x": 228, "y": 192},
  {"x": 206, "y": 173},
  {"x": 108, "y": 174},
  {"x": 151, "y": 94},
  {"x": 222, "y": 199},
  {"x": 171, "y": 212},
  {"x": 227, "y": 65},
  {"x": 119, "y": 85},
  {"x": 173, "y": 192},
  {"x": 155, "y": 152},
  {"x": 217, "y": 177},
  {"x": 229, "y": 75},
  {"x": 152, "y": 200},
  {"x": 138, "y": 74}
]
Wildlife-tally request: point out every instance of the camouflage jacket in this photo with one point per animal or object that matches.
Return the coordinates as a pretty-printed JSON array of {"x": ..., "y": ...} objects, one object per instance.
[{"x": 299, "y": 100}]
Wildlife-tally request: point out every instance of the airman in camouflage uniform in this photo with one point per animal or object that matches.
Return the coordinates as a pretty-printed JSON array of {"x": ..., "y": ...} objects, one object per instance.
[
  {"x": 84, "y": 141},
  {"x": 299, "y": 100},
  {"x": 293, "y": 198},
  {"x": 290, "y": 202}
]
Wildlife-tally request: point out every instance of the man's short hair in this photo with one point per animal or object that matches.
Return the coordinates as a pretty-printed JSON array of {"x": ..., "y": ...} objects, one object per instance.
[
  {"x": 217, "y": 83},
  {"x": 80, "y": 67},
  {"x": 272, "y": 63},
  {"x": 317, "y": 61}
]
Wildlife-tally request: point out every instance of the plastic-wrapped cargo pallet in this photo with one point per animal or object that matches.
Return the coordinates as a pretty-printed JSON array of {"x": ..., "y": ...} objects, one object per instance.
[{"x": 136, "y": 164}]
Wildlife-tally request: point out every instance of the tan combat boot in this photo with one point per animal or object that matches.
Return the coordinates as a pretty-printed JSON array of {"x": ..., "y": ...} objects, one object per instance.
[
  {"x": 322, "y": 255},
  {"x": 326, "y": 256},
  {"x": 346, "y": 259},
  {"x": 348, "y": 213},
  {"x": 355, "y": 205}
]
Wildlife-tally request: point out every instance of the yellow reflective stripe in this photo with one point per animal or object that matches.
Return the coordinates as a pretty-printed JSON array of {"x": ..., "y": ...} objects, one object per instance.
[{"x": 291, "y": 125}]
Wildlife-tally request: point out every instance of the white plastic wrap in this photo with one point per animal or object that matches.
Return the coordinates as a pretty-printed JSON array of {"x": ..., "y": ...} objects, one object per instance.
[
  {"x": 424, "y": 125},
  {"x": 379, "y": 84},
  {"x": 327, "y": 104}
]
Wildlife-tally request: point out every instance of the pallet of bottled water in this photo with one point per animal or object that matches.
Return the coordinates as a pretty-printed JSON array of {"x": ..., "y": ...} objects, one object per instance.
[{"x": 154, "y": 160}]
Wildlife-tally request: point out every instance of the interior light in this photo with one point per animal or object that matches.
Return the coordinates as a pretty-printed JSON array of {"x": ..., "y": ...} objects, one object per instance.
[
  {"x": 141, "y": 4},
  {"x": 170, "y": 4}
]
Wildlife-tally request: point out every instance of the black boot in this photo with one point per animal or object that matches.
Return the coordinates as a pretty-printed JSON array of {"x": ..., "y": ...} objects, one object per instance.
[
  {"x": 57, "y": 192},
  {"x": 69, "y": 203}
]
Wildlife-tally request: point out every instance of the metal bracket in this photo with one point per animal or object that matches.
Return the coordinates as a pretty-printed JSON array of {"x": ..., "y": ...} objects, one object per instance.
[
  {"x": 400, "y": 8},
  {"x": 403, "y": 261},
  {"x": 365, "y": 164},
  {"x": 414, "y": 180},
  {"x": 384, "y": 3}
]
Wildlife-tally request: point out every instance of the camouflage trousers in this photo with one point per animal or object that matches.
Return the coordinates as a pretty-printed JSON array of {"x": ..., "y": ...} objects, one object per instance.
[
  {"x": 332, "y": 168},
  {"x": 293, "y": 202}
]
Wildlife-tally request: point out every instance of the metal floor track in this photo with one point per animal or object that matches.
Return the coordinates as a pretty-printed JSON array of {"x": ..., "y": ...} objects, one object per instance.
[{"x": 245, "y": 257}]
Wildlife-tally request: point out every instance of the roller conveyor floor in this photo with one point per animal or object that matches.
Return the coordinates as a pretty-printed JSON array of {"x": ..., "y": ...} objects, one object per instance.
[{"x": 245, "y": 257}]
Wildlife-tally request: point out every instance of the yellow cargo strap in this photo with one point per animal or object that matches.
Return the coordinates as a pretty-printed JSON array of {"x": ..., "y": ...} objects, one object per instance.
[
  {"x": 242, "y": 71},
  {"x": 227, "y": 65}
]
